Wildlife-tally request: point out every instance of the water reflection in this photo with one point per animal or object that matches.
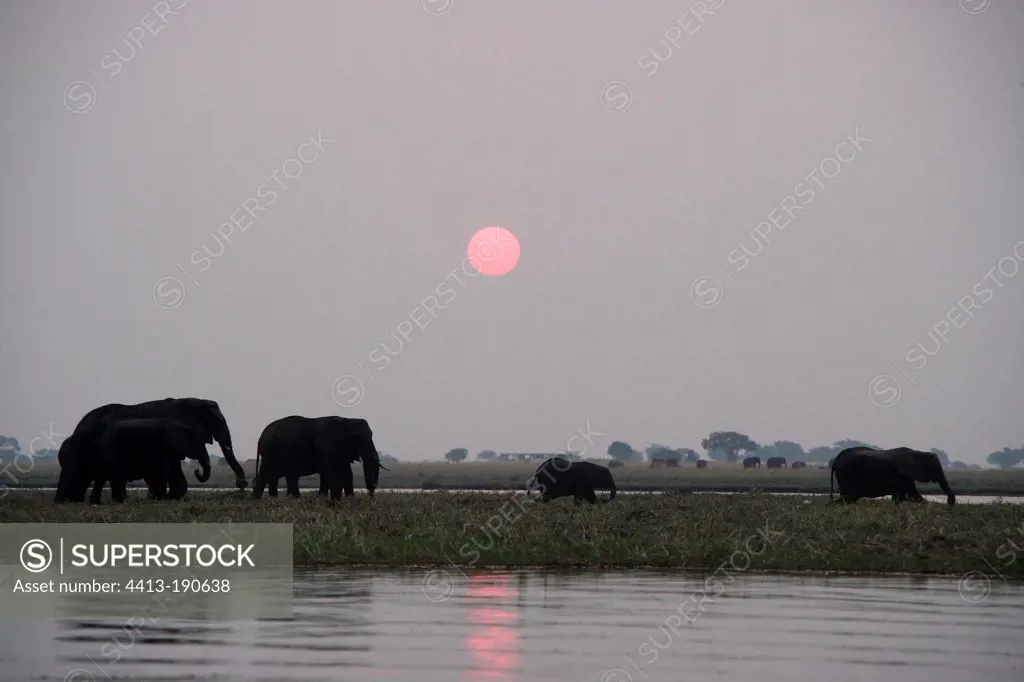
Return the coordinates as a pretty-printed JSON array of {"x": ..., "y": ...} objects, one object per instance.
[
  {"x": 493, "y": 639},
  {"x": 569, "y": 626}
]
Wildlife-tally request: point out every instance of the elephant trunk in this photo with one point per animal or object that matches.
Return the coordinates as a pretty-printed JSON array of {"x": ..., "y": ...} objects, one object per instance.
[
  {"x": 204, "y": 475},
  {"x": 223, "y": 438},
  {"x": 941, "y": 480},
  {"x": 371, "y": 468}
]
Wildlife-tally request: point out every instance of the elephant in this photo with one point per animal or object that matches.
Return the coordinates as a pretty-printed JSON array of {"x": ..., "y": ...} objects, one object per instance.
[
  {"x": 702, "y": 464},
  {"x": 798, "y": 465},
  {"x": 776, "y": 463},
  {"x": 867, "y": 472},
  {"x": 151, "y": 449},
  {"x": 297, "y": 446},
  {"x": 79, "y": 455},
  {"x": 578, "y": 479},
  {"x": 751, "y": 462}
]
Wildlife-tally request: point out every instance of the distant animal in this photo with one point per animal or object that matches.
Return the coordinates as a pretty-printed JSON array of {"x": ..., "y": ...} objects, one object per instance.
[
  {"x": 702, "y": 464},
  {"x": 672, "y": 463},
  {"x": 558, "y": 477},
  {"x": 776, "y": 463},
  {"x": 658, "y": 463},
  {"x": 297, "y": 446},
  {"x": 867, "y": 472},
  {"x": 798, "y": 465},
  {"x": 615, "y": 464},
  {"x": 751, "y": 462}
]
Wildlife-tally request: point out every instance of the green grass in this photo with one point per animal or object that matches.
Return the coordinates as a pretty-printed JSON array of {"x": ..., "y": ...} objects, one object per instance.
[
  {"x": 678, "y": 531},
  {"x": 719, "y": 477}
]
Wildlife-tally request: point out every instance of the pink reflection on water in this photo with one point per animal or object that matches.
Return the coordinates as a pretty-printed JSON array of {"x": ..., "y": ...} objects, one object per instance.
[{"x": 493, "y": 645}]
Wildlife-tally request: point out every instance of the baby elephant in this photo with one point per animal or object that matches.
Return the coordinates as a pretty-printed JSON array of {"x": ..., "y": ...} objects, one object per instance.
[
  {"x": 151, "y": 449},
  {"x": 559, "y": 477}
]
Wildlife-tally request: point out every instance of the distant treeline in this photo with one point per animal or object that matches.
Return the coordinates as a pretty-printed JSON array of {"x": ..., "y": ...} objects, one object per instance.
[{"x": 731, "y": 446}]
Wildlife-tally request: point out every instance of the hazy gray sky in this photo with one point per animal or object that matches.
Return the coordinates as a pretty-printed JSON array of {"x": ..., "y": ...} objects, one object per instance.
[{"x": 437, "y": 119}]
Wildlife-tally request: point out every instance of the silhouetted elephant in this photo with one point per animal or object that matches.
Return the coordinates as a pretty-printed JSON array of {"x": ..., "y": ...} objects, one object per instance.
[
  {"x": 79, "y": 455},
  {"x": 776, "y": 463},
  {"x": 296, "y": 446},
  {"x": 752, "y": 462},
  {"x": 150, "y": 449},
  {"x": 798, "y": 465},
  {"x": 558, "y": 477},
  {"x": 702, "y": 464},
  {"x": 867, "y": 472}
]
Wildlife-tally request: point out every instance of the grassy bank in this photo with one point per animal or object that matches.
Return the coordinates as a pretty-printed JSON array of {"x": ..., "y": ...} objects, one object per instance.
[
  {"x": 719, "y": 477},
  {"x": 672, "y": 531}
]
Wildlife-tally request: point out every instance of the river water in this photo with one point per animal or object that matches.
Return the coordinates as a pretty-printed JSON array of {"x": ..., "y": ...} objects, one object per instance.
[{"x": 496, "y": 626}]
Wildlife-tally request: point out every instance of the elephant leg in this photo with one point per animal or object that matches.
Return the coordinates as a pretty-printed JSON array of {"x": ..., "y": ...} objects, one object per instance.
[
  {"x": 176, "y": 482},
  {"x": 292, "y": 482},
  {"x": 272, "y": 487},
  {"x": 97, "y": 491},
  {"x": 344, "y": 470},
  {"x": 330, "y": 478},
  {"x": 119, "y": 489},
  {"x": 259, "y": 484},
  {"x": 590, "y": 496}
]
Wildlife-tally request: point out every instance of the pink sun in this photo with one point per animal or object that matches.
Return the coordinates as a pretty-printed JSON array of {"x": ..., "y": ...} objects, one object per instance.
[{"x": 493, "y": 251}]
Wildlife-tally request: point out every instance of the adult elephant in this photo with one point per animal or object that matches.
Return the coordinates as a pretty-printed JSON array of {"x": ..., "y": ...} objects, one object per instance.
[
  {"x": 798, "y": 465},
  {"x": 79, "y": 454},
  {"x": 776, "y": 463},
  {"x": 752, "y": 462},
  {"x": 296, "y": 446},
  {"x": 151, "y": 449},
  {"x": 867, "y": 472},
  {"x": 559, "y": 477}
]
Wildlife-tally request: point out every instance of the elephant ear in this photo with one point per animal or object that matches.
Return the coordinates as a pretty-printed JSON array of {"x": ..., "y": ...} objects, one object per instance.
[{"x": 913, "y": 464}]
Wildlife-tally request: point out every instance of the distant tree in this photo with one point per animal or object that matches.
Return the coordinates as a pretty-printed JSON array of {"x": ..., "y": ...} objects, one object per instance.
[
  {"x": 487, "y": 455},
  {"x": 9, "y": 444},
  {"x": 456, "y": 454},
  {"x": 822, "y": 454},
  {"x": 957, "y": 464},
  {"x": 388, "y": 458},
  {"x": 620, "y": 450},
  {"x": 841, "y": 445},
  {"x": 688, "y": 455},
  {"x": 788, "y": 449},
  {"x": 1006, "y": 458},
  {"x": 943, "y": 457},
  {"x": 661, "y": 452},
  {"x": 730, "y": 442}
]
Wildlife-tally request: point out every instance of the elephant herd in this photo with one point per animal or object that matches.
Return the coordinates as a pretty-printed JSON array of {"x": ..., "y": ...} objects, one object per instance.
[{"x": 122, "y": 443}]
